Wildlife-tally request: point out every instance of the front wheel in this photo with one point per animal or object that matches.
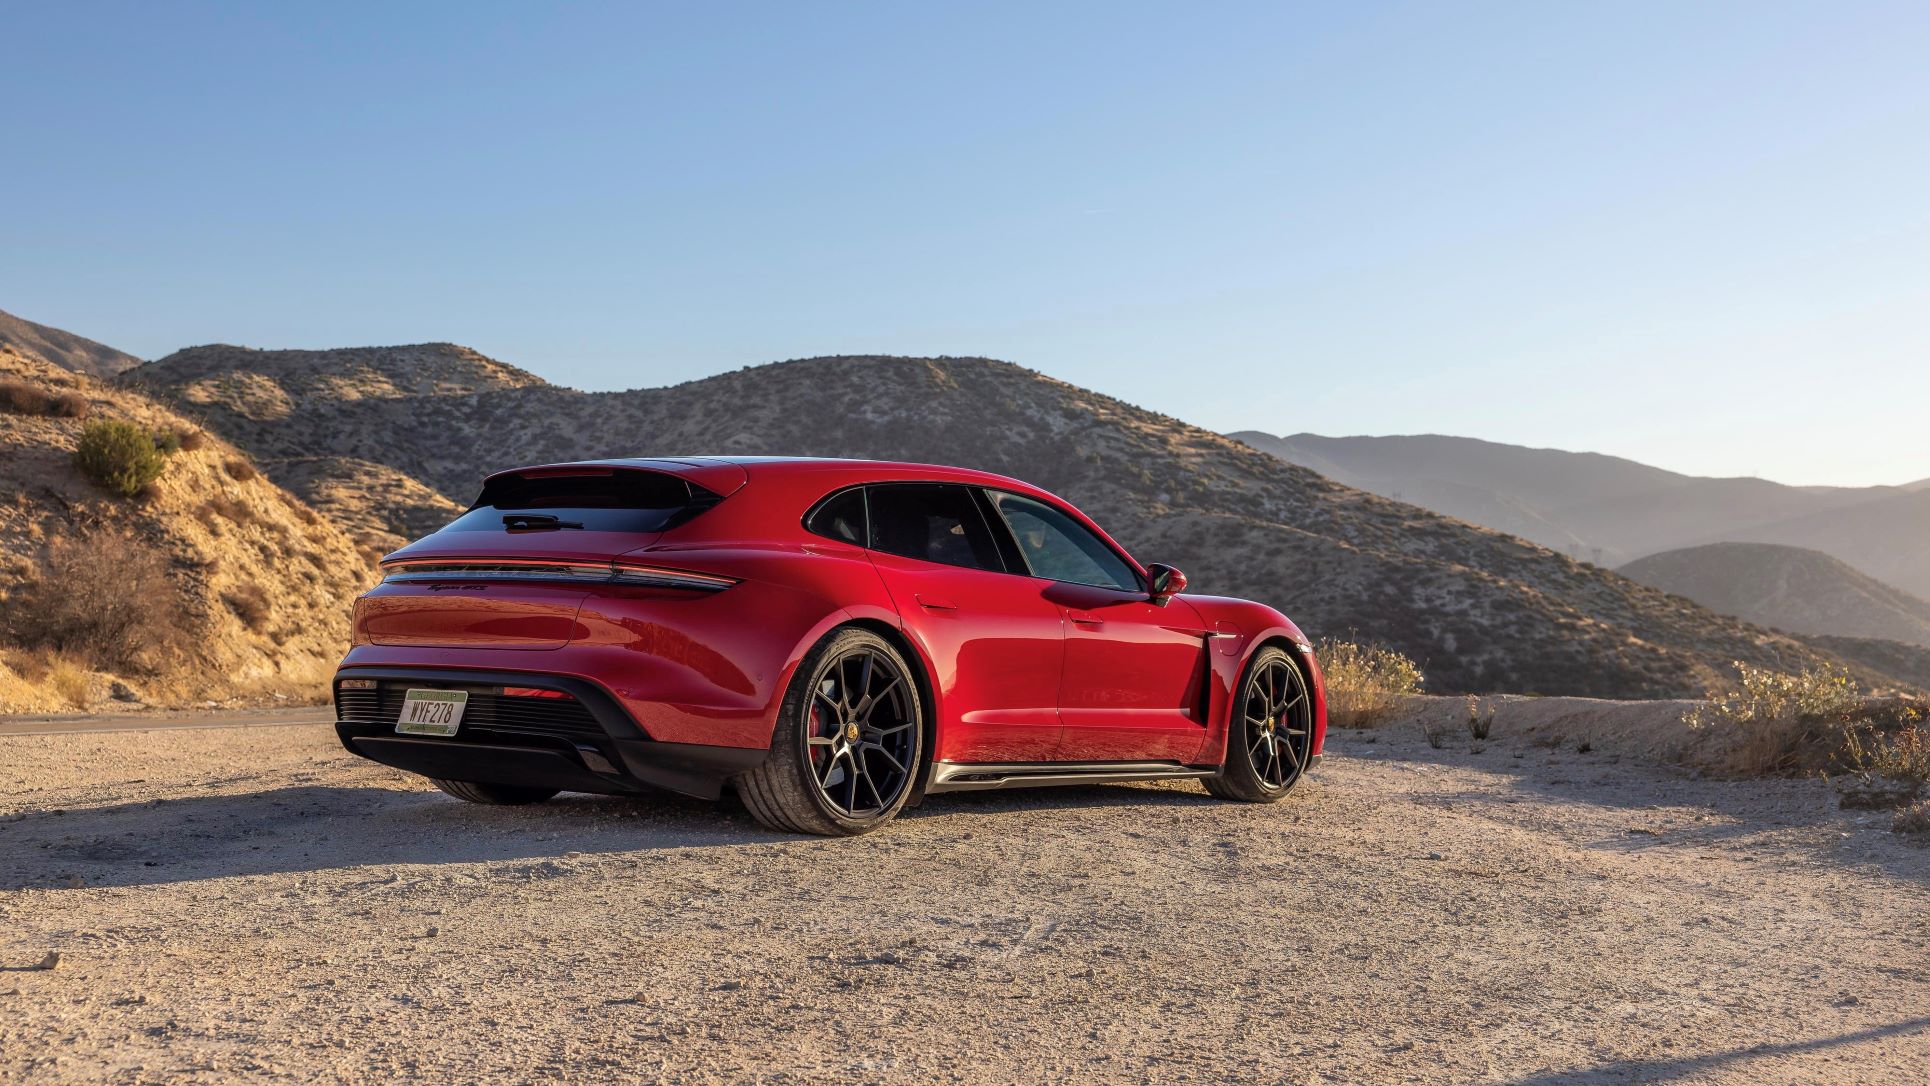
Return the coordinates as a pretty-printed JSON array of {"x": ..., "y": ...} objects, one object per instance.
[
  {"x": 1270, "y": 739},
  {"x": 849, "y": 739}
]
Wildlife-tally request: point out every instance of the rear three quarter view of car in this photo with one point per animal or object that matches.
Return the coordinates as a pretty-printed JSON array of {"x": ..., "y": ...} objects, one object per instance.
[{"x": 833, "y": 640}]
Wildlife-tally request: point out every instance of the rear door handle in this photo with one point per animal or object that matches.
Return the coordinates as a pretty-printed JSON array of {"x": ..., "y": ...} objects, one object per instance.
[
  {"x": 934, "y": 603},
  {"x": 1086, "y": 618}
]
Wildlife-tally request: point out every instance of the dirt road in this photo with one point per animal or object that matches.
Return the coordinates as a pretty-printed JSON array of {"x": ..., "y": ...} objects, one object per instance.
[{"x": 251, "y": 904}]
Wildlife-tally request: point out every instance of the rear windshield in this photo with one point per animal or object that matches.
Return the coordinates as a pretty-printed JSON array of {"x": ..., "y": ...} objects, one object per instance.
[{"x": 611, "y": 501}]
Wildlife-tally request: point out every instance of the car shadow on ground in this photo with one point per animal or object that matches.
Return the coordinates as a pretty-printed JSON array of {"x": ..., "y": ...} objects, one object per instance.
[
  {"x": 317, "y": 827},
  {"x": 1670, "y": 1070}
]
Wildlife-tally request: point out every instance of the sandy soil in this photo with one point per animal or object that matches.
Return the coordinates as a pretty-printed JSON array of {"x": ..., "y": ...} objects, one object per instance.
[{"x": 253, "y": 904}]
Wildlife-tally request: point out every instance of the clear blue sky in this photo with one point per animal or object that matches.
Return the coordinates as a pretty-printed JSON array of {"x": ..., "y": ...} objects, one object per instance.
[{"x": 1693, "y": 234}]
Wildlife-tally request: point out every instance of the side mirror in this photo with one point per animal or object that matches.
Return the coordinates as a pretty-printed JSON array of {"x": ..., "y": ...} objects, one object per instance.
[{"x": 1167, "y": 583}]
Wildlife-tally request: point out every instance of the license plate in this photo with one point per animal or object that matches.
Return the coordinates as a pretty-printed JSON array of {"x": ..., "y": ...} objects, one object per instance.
[{"x": 431, "y": 712}]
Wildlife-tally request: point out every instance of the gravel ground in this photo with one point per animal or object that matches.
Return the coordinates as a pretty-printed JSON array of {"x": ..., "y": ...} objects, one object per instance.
[{"x": 254, "y": 904}]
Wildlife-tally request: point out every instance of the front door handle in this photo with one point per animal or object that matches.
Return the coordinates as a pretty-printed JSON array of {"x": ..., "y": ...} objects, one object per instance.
[
  {"x": 934, "y": 603},
  {"x": 1086, "y": 619}
]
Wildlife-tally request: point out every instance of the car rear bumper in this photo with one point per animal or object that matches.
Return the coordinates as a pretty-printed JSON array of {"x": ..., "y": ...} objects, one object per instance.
[{"x": 583, "y": 743}]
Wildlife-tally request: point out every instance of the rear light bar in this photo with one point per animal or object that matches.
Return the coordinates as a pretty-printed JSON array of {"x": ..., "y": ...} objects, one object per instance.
[{"x": 582, "y": 573}]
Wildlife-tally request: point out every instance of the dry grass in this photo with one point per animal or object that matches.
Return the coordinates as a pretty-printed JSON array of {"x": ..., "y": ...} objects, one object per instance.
[
  {"x": 239, "y": 470},
  {"x": 1365, "y": 682},
  {"x": 106, "y": 599},
  {"x": 70, "y": 681}
]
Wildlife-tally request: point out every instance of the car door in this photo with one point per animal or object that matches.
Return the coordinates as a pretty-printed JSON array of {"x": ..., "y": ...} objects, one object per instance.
[
  {"x": 996, "y": 643},
  {"x": 1135, "y": 672}
]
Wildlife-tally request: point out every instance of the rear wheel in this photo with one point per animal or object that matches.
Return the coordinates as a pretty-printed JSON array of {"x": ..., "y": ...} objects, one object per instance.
[
  {"x": 1271, "y": 734},
  {"x": 848, "y": 742},
  {"x": 496, "y": 795}
]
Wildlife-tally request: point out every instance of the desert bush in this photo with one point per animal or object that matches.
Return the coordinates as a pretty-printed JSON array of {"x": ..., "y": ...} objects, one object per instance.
[
  {"x": 167, "y": 441},
  {"x": 1480, "y": 718},
  {"x": 1913, "y": 820},
  {"x": 105, "y": 598},
  {"x": 249, "y": 603},
  {"x": 239, "y": 470},
  {"x": 1779, "y": 719},
  {"x": 70, "y": 680},
  {"x": 227, "y": 508},
  {"x": 1365, "y": 681},
  {"x": 22, "y": 398},
  {"x": 120, "y": 457},
  {"x": 191, "y": 439}
]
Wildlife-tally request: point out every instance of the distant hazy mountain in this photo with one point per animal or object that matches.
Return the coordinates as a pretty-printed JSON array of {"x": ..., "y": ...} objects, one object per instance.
[
  {"x": 1787, "y": 588},
  {"x": 1610, "y": 510},
  {"x": 63, "y": 349}
]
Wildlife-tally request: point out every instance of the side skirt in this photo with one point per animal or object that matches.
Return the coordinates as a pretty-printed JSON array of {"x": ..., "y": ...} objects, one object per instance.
[{"x": 975, "y": 777}]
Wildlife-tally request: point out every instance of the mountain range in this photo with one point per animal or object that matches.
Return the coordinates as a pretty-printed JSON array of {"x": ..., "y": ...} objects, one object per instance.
[
  {"x": 1480, "y": 610},
  {"x": 1611, "y": 511},
  {"x": 63, "y": 349},
  {"x": 383, "y": 443}
]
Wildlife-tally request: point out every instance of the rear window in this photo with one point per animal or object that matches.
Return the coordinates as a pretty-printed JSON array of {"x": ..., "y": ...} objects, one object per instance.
[{"x": 609, "y": 501}]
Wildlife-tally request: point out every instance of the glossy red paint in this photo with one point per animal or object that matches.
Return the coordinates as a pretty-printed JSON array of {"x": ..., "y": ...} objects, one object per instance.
[{"x": 1017, "y": 668}]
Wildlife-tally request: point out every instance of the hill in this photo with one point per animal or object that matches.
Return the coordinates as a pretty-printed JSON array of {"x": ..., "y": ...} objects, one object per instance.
[
  {"x": 1787, "y": 588},
  {"x": 214, "y": 583},
  {"x": 1584, "y": 503},
  {"x": 1481, "y": 610},
  {"x": 63, "y": 349}
]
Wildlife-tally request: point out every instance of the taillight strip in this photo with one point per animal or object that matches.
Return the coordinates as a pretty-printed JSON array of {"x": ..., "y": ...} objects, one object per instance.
[{"x": 421, "y": 570}]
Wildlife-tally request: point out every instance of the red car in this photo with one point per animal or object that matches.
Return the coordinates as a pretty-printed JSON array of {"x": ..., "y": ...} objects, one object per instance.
[{"x": 834, "y": 639}]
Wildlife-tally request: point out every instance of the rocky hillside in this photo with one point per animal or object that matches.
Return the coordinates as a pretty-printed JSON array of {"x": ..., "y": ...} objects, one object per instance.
[
  {"x": 1787, "y": 588},
  {"x": 231, "y": 586},
  {"x": 1481, "y": 610},
  {"x": 63, "y": 349}
]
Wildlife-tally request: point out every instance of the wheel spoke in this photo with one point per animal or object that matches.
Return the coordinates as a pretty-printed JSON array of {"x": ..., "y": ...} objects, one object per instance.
[
  {"x": 887, "y": 755},
  {"x": 861, "y": 777}
]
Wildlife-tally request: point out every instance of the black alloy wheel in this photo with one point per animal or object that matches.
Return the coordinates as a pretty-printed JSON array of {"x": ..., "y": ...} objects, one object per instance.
[
  {"x": 849, "y": 742},
  {"x": 1270, "y": 739}
]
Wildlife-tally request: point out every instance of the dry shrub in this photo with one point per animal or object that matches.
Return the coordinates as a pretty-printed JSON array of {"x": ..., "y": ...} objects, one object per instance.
[
  {"x": 191, "y": 439},
  {"x": 104, "y": 598},
  {"x": 249, "y": 603},
  {"x": 223, "y": 506},
  {"x": 1779, "y": 721},
  {"x": 70, "y": 681},
  {"x": 23, "y": 398},
  {"x": 306, "y": 515},
  {"x": 1365, "y": 681},
  {"x": 119, "y": 456},
  {"x": 1913, "y": 820},
  {"x": 239, "y": 470}
]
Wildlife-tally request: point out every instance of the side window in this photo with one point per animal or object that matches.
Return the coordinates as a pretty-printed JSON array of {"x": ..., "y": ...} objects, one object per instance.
[
  {"x": 1060, "y": 548},
  {"x": 840, "y": 517},
  {"x": 933, "y": 522}
]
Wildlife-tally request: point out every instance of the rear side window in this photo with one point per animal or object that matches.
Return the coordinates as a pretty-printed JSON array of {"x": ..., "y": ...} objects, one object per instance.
[
  {"x": 933, "y": 522},
  {"x": 596, "y": 501},
  {"x": 840, "y": 517}
]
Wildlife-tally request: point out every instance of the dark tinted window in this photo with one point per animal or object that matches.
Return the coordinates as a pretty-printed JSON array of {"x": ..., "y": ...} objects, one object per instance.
[
  {"x": 841, "y": 517},
  {"x": 933, "y": 522},
  {"x": 1061, "y": 548},
  {"x": 608, "y": 501}
]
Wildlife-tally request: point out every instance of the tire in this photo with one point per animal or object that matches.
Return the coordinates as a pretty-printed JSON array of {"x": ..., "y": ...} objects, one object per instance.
[
  {"x": 849, "y": 740},
  {"x": 1270, "y": 735},
  {"x": 495, "y": 795}
]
